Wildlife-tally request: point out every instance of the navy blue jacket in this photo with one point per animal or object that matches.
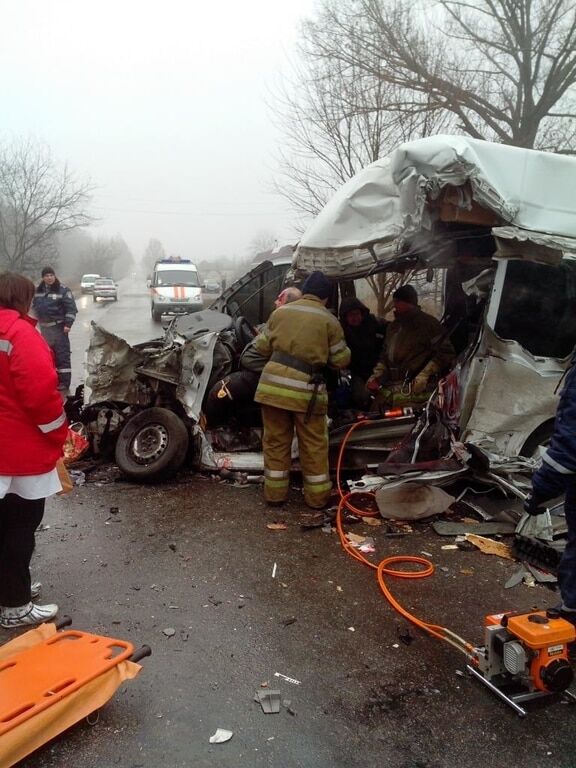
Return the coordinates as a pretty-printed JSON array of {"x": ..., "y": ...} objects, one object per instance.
[
  {"x": 54, "y": 303},
  {"x": 559, "y": 462}
]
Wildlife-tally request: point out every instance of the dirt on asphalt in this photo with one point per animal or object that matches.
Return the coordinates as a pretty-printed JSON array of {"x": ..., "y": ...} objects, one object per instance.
[{"x": 245, "y": 602}]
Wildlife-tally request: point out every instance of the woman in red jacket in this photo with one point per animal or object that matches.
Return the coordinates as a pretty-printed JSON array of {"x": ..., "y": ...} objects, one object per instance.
[{"x": 32, "y": 432}]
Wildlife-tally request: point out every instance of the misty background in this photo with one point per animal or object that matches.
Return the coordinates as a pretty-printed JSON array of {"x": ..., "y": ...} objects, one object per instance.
[{"x": 161, "y": 109}]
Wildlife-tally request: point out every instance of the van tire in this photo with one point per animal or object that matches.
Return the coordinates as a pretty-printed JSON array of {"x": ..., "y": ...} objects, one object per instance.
[
  {"x": 539, "y": 439},
  {"x": 156, "y": 316},
  {"x": 152, "y": 445}
]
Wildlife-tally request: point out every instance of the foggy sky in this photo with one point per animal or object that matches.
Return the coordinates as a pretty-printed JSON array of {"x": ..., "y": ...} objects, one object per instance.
[{"x": 162, "y": 104}]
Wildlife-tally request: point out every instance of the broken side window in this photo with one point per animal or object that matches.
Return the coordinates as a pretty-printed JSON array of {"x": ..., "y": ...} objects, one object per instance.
[{"x": 537, "y": 307}]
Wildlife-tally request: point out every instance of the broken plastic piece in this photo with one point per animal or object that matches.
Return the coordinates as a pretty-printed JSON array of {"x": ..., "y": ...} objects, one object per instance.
[
  {"x": 221, "y": 736},
  {"x": 269, "y": 701}
]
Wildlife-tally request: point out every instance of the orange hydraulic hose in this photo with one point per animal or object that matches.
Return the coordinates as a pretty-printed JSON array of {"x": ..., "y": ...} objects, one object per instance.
[{"x": 425, "y": 567}]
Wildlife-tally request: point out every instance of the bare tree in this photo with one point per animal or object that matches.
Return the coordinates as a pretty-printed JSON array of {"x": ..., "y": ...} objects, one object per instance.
[
  {"x": 107, "y": 256},
  {"x": 153, "y": 253},
  {"x": 502, "y": 70},
  {"x": 38, "y": 199},
  {"x": 262, "y": 244}
]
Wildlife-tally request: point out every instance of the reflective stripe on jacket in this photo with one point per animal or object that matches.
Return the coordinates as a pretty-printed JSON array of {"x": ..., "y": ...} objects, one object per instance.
[
  {"x": 559, "y": 462},
  {"x": 306, "y": 330},
  {"x": 33, "y": 425},
  {"x": 54, "y": 304}
]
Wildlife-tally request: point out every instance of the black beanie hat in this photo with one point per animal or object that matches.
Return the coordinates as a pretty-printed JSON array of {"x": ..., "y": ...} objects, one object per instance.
[
  {"x": 406, "y": 293},
  {"x": 317, "y": 284},
  {"x": 48, "y": 270}
]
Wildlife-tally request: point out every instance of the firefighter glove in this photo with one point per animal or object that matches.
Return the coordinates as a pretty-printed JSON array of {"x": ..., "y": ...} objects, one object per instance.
[
  {"x": 373, "y": 384},
  {"x": 532, "y": 505}
]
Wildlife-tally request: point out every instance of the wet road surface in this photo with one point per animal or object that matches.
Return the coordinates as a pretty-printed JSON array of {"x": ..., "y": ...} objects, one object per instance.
[{"x": 195, "y": 555}]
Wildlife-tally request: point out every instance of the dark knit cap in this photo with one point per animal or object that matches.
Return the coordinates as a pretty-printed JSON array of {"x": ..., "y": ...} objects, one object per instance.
[
  {"x": 317, "y": 284},
  {"x": 48, "y": 270},
  {"x": 406, "y": 293}
]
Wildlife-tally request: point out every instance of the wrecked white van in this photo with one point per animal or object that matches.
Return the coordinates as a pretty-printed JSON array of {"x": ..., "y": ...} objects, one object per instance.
[{"x": 498, "y": 222}]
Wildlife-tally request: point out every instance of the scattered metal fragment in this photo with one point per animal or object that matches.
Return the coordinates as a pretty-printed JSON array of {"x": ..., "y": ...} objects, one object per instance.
[
  {"x": 269, "y": 701},
  {"x": 221, "y": 736},
  {"x": 288, "y": 679}
]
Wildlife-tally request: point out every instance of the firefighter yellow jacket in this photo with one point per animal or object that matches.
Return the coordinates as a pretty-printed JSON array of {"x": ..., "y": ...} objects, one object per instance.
[
  {"x": 415, "y": 343},
  {"x": 309, "y": 333}
]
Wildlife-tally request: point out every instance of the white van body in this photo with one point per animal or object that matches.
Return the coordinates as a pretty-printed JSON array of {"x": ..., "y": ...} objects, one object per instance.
[
  {"x": 508, "y": 214},
  {"x": 175, "y": 288}
]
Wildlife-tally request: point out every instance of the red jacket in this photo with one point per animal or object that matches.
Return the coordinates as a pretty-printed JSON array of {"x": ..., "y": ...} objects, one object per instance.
[{"x": 33, "y": 425}]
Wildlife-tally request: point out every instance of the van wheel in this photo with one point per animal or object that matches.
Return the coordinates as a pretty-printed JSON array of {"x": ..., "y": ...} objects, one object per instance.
[
  {"x": 152, "y": 445},
  {"x": 538, "y": 441},
  {"x": 156, "y": 316}
]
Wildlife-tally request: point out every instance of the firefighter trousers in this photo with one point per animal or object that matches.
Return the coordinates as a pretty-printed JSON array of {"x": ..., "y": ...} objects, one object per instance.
[
  {"x": 279, "y": 428},
  {"x": 59, "y": 343}
]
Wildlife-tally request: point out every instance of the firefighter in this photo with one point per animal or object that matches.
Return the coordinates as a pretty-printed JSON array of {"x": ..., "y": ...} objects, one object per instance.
[
  {"x": 300, "y": 339},
  {"x": 416, "y": 350},
  {"x": 56, "y": 311},
  {"x": 230, "y": 395}
]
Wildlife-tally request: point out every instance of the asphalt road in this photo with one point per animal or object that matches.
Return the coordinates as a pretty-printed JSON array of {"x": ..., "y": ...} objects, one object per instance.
[{"x": 245, "y": 602}]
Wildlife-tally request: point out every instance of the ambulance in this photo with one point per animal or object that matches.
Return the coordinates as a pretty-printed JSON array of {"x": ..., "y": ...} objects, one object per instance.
[{"x": 174, "y": 288}]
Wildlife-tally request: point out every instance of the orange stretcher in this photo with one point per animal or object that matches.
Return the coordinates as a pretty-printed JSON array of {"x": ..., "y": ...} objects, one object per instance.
[{"x": 51, "y": 679}]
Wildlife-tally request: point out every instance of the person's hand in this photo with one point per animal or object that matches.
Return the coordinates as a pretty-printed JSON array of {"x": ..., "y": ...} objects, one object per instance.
[
  {"x": 373, "y": 384},
  {"x": 66, "y": 329},
  {"x": 419, "y": 384},
  {"x": 532, "y": 505}
]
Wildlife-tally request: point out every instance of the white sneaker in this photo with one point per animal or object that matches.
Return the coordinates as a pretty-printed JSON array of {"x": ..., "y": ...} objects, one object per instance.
[
  {"x": 26, "y": 615},
  {"x": 35, "y": 589}
]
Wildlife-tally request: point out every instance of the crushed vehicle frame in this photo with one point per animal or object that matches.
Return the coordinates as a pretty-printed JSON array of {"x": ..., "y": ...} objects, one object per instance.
[{"x": 498, "y": 222}]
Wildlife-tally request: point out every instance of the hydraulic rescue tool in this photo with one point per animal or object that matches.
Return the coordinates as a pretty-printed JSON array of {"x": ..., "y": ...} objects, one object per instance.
[{"x": 525, "y": 656}]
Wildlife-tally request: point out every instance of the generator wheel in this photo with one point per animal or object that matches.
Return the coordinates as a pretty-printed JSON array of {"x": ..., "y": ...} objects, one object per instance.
[{"x": 152, "y": 445}]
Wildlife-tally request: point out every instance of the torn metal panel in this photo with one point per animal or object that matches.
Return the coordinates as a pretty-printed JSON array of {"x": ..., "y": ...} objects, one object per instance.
[
  {"x": 196, "y": 368},
  {"x": 111, "y": 369},
  {"x": 507, "y": 394},
  {"x": 513, "y": 242}
]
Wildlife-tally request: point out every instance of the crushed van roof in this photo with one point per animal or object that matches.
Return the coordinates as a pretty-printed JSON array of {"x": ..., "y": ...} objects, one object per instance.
[{"x": 532, "y": 195}]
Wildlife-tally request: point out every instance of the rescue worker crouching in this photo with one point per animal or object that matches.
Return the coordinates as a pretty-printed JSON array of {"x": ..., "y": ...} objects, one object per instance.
[
  {"x": 299, "y": 340},
  {"x": 55, "y": 309},
  {"x": 416, "y": 351}
]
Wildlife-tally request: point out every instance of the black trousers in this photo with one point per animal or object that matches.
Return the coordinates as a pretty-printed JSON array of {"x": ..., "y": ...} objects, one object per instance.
[{"x": 19, "y": 519}]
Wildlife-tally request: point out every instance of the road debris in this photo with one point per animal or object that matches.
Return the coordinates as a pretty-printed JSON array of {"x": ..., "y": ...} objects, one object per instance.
[
  {"x": 269, "y": 700},
  {"x": 276, "y": 526},
  {"x": 274, "y": 571},
  {"x": 288, "y": 679},
  {"x": 169, "y": 632},
  {"x": 489, "y": 546},
  {"x": 221, "y": 736}
]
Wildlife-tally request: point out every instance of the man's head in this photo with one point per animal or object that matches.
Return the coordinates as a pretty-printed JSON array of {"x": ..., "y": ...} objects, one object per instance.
[
  {"x": 317, "y": 284},
  {"x": 353, "y": 312},
  {"x": 405, "y": 299},
  {"x": 287, "y": 296},
  {"x": 48, "y": 275}
]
